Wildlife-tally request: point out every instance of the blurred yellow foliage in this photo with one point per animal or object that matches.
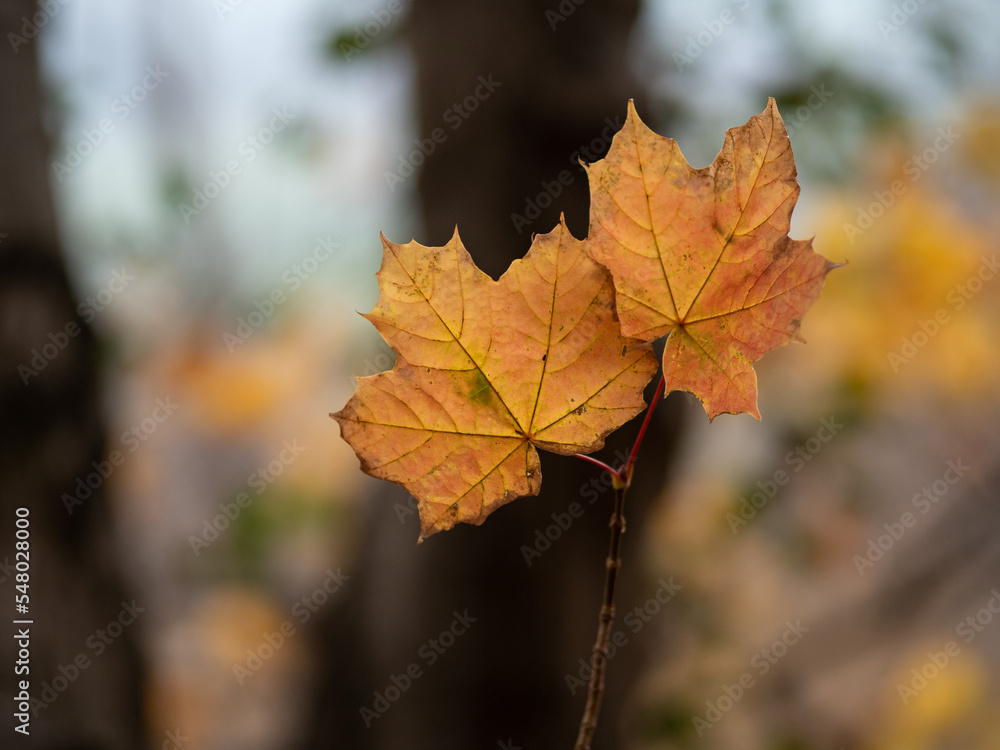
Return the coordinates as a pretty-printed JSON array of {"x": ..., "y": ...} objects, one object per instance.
[
  {"x": 947, "y": 701},
  {"x": 916, "y": 306},
  {"x": 280, "y": 383}
]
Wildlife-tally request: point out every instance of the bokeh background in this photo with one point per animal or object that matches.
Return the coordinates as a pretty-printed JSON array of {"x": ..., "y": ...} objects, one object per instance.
[{"x": 191, "y": 199}]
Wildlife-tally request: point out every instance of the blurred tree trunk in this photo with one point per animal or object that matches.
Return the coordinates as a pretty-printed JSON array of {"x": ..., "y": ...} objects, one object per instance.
[
  {"x": 511, "y": 94},
  {"x": 52, "y": 431}
]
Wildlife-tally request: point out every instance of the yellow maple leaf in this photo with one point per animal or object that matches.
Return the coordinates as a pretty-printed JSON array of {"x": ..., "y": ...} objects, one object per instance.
[
  {"x": 704, "y": 254},
  {"x": 489, "y": 370}
]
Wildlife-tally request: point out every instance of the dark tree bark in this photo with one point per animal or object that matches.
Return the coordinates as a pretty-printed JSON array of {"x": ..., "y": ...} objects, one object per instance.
[
  {"x": 52, "y": 431},
  {"x": 518, "y": 95}
]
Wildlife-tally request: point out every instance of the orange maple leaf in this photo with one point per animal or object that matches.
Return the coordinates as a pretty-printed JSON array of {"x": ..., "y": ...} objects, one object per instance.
[
  {"x": 704, "y": 254},
  {"x": 488, "y": 370}
]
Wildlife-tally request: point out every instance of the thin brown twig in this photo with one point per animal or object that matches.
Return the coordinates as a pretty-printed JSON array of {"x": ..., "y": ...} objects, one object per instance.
[
  {"x": 595, "y": 691},
  {"x": 622, "y": 479}
]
